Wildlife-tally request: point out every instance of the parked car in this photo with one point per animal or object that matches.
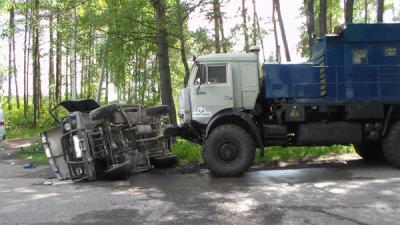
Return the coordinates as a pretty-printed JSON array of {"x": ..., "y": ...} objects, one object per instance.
[{"x": 2, "y": 125}]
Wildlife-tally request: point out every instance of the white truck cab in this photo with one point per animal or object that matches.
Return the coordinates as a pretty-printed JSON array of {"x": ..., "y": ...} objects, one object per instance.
[{"x": 218, "y": 82}]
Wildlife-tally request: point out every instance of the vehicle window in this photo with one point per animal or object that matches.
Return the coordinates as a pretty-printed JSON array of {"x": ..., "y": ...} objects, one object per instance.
[
  {"x": 201, "y": 74},
  {"x": 390, "y": 51},
  {"x": 360, "y": 56},
  {"x": 216, "y": 74}
]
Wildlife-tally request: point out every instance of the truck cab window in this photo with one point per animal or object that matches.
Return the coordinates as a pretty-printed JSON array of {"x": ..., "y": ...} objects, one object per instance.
[
  {"x": 201, "y": 74},
  {"x": 360, "y": 56},
  {"x": 216, "y": 74}
]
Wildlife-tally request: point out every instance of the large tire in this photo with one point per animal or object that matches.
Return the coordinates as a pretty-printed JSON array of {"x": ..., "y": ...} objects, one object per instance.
[
  {"x": 164, "y": 161},
  {"x": 157, "y": 110},
  {"x": 229, "y": 151},
  {"x": 104, "y": 112},
  {"x": 370, "y": 151},
  {"x": 391, "y": 145}
]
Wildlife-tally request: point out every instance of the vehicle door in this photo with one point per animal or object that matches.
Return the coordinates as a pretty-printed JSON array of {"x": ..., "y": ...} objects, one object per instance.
[{"x": 212, "y": 91}]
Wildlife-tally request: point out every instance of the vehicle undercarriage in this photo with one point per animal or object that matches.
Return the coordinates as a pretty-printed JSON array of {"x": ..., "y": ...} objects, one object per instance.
[{"x": 109, "y": 141}]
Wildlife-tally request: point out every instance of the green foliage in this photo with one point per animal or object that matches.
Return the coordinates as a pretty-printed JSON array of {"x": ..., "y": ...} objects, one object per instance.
[
  {"x": 301, "y": 153},
  {"x": 335, "y": 13},
  {"x": 18, "y": 123},
  {"x": 187, "y": 151}
]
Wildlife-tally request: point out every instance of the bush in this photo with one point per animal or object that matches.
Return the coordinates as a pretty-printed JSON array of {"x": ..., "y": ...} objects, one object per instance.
[
  {"x": 187, "y": 151},
  {"x": 17, "y": 122}
]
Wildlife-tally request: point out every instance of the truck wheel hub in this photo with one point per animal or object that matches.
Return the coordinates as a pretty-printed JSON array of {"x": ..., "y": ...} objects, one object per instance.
[{"x": 228, "y": 152}]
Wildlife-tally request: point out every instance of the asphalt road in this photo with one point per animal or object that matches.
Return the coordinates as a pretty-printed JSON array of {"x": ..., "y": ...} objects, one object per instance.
[{"x": 340, "y": 192}]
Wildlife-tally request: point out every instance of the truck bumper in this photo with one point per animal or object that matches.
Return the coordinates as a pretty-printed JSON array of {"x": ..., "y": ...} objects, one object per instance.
[{"x": 186, "y": 131}]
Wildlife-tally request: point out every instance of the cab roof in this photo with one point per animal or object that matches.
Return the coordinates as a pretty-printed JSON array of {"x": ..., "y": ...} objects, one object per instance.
[{"x": 228, "y": 57}]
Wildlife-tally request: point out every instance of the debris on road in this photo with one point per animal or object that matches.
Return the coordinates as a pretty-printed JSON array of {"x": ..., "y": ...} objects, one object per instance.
[
  {"x": 29, "y": 166},
  {"x": 57, "y": 182}
]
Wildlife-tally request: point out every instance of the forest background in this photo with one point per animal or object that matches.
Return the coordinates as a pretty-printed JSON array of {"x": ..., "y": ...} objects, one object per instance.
[{"x": 52, "y": 50}]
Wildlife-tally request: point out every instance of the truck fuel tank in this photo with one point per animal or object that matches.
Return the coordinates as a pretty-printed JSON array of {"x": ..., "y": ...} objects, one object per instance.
[{"x": 325, "y": 134}]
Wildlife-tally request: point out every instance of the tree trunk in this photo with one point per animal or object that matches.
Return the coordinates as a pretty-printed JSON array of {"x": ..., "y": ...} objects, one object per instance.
[
  {"x": 14, "y": 59},
  {"x": 322, "y": 17},
  {"x": 36, "y": 66},
  {"x": 83, "y": 66},
  {"x": 11, "y": 70},
  {"x": 277, "y": 47},
  {"x": 348, "y": 11},
  {"x": 163, "y": 58},
  {"x": 67, "y": 65},
  {"x": 258, "y": 31},
  {"x": 103, "y": 61},
  {"x": 51, "y": 62},
  {"x": 244, "y": 25},
  {"x": 221, "y": 29},
  {"x": 310, "y": 23},
  {"x": 26, "y": 58},
  {"x": 282, "y": 28},
  {"x": 182, "y": 43},
  {"x": 58, "y": 61},
  {"x": 106, "y": 94},
  {"x": 73, "y": 54},
  {"x": 255, "y": 33},
  {"x": 217, "y": 40},
  {"x": 380, "y": 11},
  {"x": 365, "y": 11}
]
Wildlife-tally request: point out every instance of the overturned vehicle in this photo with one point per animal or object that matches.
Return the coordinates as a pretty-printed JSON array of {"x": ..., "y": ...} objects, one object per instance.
[{"x": 109, "y": 141}]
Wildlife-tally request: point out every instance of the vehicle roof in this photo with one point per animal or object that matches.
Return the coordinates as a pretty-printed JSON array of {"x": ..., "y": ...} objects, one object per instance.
[{"x": 227, "y": 57}]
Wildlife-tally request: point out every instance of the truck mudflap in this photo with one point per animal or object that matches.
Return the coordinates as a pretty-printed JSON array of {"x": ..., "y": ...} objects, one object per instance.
[{"x": 125, "y": 140}]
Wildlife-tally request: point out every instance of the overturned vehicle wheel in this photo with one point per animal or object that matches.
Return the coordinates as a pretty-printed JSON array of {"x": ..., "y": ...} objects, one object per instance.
[{"x": 157, "y": 110}]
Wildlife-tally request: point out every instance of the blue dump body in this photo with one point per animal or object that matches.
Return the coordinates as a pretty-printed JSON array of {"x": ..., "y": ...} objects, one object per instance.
[{"x": 360, "y": 64}]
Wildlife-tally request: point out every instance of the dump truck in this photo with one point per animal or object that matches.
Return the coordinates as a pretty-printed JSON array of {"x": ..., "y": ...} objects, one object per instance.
[
  {"x": 349, "y": 93},
  {"x": 112, "y": 141}
]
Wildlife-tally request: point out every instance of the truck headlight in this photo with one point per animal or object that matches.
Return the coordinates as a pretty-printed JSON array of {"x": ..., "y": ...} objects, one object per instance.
[{"x": 67, "y": 126}]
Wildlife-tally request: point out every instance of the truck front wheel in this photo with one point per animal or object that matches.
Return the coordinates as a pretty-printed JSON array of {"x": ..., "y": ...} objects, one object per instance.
[
  {"x": 391, "y": 145},
  {"x": 229, "y": 151}
]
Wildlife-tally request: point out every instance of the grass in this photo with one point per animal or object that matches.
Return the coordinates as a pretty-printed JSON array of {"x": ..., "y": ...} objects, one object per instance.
[
  {"x": 34, "y": 153},
  {"x": 20, "y": 133},
  {"x": 301, "y": 153},
  {"x": 189, "y": 152}
]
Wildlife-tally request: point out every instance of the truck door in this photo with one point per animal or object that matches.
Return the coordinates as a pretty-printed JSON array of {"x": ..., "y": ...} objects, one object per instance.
[{"x": 212, "y": 91}]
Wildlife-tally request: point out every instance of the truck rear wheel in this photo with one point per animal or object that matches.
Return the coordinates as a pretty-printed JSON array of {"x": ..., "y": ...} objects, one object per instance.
[
  {"x": 370, "y": 151},
  {"x": 229, "y": 151},
  {"x": 391, "y": 145}
]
